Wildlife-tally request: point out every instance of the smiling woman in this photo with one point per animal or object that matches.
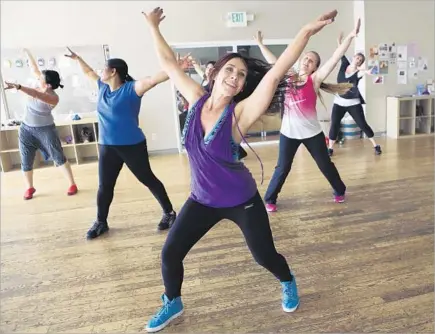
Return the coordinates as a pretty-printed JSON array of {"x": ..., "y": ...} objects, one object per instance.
[
  {"x": 38, "y": 131},
  {"x": 121, "y": 140},
  {"x": 222, "y": 187}
]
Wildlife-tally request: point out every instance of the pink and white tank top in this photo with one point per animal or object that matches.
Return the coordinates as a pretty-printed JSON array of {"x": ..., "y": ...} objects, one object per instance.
[{"x": 300, "y": 115}]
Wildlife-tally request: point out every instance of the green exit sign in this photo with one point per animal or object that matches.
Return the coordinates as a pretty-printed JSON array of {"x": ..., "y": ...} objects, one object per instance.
[{"x": 237, "y": 19}]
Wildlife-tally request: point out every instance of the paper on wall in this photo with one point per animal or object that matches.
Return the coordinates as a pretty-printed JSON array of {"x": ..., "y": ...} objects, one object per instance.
[
  {"x": 373, "y": 66},
  {"x": 402, "y": 65},
  {"x": 373, "y": 52},
  {"x": 383, "y": 67},
  {"x": 378, "y": 80},
  {"x": 383, "y": 51},
  {"x": 412, "y": 49},
  {"x": 422, "y": 64},
  {"x": 413, "y": 74},
  {"x": 392, "y": 50},
  {"x": 402, "y": 77},
  {"x": 412, "y": 63},
  {"x": 402, "y": 53},
  {"x": 106, "y": 51}
]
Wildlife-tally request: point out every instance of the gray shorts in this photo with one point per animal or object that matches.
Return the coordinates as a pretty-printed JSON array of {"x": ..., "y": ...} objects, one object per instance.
[{"x": 45, "y": 139}]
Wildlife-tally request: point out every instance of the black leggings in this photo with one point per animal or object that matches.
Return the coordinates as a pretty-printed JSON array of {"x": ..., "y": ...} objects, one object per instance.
[
  {"x": 195, "y": 220},
  {"x": 357, "y": 114},
  {"x": 287, "y": 149},
  {"x": 112, "y": 158},
  {"x": 242, "y": 153}
]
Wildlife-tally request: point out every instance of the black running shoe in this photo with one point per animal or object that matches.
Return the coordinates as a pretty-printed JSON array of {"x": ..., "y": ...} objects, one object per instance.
[
  {"x": 97, "y": 229},
  {"x": 378, "y": 149},
  {"x": 167, "y": 221}
]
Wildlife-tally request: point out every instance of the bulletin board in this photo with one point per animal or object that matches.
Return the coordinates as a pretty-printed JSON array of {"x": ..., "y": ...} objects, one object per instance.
[{"x": 79, "y": 94}]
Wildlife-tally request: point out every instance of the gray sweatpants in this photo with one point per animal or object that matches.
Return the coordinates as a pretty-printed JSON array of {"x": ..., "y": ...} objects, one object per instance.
[{"x": 44, "y": 138}]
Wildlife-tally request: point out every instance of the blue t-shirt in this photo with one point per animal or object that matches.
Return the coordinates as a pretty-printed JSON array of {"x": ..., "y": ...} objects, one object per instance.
[{"x": 118, "y": 115}]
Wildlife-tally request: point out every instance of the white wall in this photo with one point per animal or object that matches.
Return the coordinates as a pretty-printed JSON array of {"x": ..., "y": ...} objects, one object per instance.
[
  {"x": 121, "y": 25},
  {"x": 401, "y": 22}
]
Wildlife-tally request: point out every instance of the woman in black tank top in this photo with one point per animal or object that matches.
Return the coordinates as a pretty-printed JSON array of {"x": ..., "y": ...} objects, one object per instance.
[{"x": 350, "y": 102}]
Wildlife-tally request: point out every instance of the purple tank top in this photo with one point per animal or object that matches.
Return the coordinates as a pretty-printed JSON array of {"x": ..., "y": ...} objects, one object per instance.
[{"x": 218, "y": 178}]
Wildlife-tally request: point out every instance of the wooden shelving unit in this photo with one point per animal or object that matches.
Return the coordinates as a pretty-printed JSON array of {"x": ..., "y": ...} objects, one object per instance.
[
  {"x": 410, "y": 116},
  {"x": 76, "y": 152}
]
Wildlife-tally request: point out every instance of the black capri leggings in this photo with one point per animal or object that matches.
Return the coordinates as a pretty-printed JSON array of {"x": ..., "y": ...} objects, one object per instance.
[
  {"x": 357, "y": 114},
  {"x": 195, "y": 220},
  {"x": 112, "y": 158}
]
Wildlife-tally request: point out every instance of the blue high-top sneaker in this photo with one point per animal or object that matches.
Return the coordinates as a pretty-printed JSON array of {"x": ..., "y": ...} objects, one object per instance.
[
  {"x": 290, "y": 298},
  {"x": 170, "y": 310}
]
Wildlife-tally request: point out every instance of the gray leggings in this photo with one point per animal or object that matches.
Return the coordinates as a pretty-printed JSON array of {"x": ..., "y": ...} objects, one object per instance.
[{"x": 44, "y": 138}]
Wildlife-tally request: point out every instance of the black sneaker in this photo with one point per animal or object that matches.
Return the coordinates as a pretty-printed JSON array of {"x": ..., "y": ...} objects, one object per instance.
[
  {"x": 97, "y": 229},
  {"x": 167, "y": 221},
  {"x": 330, "y": 152},
  {"x": 378, "y": 149}
]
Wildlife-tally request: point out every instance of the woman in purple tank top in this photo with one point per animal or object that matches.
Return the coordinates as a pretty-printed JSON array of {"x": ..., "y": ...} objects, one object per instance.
[{"x": 241, "y": 90}]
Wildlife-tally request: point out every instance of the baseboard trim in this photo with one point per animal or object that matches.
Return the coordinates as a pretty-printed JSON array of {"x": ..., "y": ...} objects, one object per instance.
[
  {"x": 260, "y": 143},
  {"x": 163, "y": 152}
]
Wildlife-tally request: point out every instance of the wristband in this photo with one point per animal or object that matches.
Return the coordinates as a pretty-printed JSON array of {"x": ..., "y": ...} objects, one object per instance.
[{"x": 19, "y": 87}]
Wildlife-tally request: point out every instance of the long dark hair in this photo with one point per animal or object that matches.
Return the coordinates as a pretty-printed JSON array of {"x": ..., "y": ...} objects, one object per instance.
[
  {"x": 121, "y": 68},
  {"x": 256, "y": 70}
]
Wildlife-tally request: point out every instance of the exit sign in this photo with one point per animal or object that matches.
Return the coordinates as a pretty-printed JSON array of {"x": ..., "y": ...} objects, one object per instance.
[{"x": 237, "y": 19}]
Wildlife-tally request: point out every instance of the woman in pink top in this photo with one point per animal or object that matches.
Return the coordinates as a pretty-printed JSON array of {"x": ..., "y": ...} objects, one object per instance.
[{"x": 300, "y": 124}]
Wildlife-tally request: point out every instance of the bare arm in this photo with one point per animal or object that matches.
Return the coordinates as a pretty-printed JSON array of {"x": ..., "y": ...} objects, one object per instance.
[
  {"x": 340, "y": 39},
  {"x": 322, "y": 73},
  {"x": 363, "y": 71},
  {"x": 143, "y": 85},
  {"x": 251, "y": 109},
  {"x": 197, "y": 67},
  {"x": 35, "y": 69},
  {"x": 52, "y": 99},
  {"x": 188, "y": 87},
  {"x": 90, "y": 73},
  {"x": 267, "y": 54}
]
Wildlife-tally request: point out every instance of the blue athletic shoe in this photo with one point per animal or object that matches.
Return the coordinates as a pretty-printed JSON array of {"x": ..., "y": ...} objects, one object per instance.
[
  {"x": 170, "y": 310},
  {"x": 290, "y": 298}
]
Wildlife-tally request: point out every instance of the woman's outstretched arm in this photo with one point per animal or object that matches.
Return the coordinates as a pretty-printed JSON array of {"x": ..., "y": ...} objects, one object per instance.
[
  {"x": 267, "y": 54},
  {"x": 322, "y": 73},
  {"x": 34, "y": 66},
  {"x": 188, "y": 87},
  {"x": 251, "y": 108},
  {"x": 143, "y": 85},
  {"x": 51, "y": 99},
  {"x": 90, "y": 73}
]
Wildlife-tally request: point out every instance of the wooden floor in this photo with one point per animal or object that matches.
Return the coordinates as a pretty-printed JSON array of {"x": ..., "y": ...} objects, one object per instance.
[{"x": 363, "y": 266}]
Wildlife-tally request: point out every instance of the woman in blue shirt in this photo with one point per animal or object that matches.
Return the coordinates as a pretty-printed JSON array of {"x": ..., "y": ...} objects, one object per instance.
[{"x": 120, "y": 139}]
